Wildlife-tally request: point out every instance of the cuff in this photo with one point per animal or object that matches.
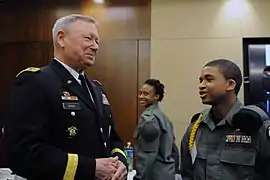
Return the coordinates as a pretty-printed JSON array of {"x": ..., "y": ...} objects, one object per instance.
[
  {"x": 120, "y": 154},
  {"x": 71, "y": 167},
  {"x": 86, "y": 168}
]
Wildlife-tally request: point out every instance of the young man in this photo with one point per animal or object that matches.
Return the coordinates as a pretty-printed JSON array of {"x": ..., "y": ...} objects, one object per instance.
[
  {"x": 216, "y": 146},
  {"x": 154, "y": 137},
  {"x": 60, "y": 124}
]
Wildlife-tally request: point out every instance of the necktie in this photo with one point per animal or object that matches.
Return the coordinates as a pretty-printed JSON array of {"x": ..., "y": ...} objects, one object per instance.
[{"x": 88, "y": 90}]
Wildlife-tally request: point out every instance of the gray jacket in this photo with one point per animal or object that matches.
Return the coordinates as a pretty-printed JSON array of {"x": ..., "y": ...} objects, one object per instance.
[
  {"x": 154, "y": 140},
  {"x": 221, "y": 152}
]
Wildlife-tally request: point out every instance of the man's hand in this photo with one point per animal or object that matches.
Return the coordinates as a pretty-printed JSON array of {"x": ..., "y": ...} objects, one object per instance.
[
  {"x": 121, "y": 172},
  {"x": 106, "y": 168}
]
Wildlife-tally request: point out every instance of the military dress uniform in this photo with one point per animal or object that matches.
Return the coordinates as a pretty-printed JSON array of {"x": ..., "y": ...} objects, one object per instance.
[
  {"x": 56, "y": 130},
  {"x": 153, "y": 146},
  {"x": 224, "y": 152}
]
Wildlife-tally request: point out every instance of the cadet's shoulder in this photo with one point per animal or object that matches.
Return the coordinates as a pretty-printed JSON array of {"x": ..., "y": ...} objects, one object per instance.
[
  {"x": 266, "y": 125},
  {"x": 148, "y": 114},
  {"x": 29, "y": 71},
  {"x": 195, "y": 117},
  {"x": 149, "y": 127},
  {"x": 265, "y": 129},
  {"x": 203, "y": 114}
]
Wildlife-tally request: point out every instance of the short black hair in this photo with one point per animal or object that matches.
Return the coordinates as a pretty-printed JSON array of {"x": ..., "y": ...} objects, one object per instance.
[
  {"x": 229, "y": 70},
  {"x": 158, "y": 86}
]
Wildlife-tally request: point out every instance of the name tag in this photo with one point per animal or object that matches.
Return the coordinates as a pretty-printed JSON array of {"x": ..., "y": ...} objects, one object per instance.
[
  {"x": 242, "y": 139},
  {"x": 72, "y": 106}
]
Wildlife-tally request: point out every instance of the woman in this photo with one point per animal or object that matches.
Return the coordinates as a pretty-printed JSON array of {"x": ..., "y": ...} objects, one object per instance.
[{"x": 154, "y": 137}]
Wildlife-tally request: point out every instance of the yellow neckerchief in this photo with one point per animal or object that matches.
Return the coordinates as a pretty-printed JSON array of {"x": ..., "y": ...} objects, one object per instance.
[{"x": 193, "y": 133}]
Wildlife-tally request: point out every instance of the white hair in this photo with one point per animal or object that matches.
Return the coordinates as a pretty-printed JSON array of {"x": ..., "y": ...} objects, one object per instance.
[{"x": 64, "y": 22}]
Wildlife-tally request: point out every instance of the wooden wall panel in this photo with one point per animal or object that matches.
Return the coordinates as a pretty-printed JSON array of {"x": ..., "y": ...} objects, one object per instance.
[
  {"x": 121, "y": 22},
  {"x": 116, "y": 68},
  {"x": 143, "y": 60},
  {"x": 144, "y": 51},
  {"x": 114, "y": 22},
  {"x": 122, "y": 63},
  {"x": 15, "y": 57}
]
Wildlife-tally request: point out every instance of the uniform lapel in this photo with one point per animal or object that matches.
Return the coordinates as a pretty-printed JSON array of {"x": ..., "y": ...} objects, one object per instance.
[
  {"x": 70, "y": 83},
  {"x": 97, "y": 96}
]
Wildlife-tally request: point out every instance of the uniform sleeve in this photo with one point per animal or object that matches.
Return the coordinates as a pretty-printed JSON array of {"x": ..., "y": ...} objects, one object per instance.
[
  {"x": 28, "y": 133},
  {"x": 116, "y": 143},
  {"x": 148, "y": 145},
  {"x": 117, "y": 146},
  {"x": 263, "y": 161},
  {"x": 175, "y": 155},
  {"x": 186, "y": 169}
]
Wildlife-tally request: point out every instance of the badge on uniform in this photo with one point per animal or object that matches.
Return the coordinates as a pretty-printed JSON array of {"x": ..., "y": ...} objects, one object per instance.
[
  {"x": 238, "y": 139},
  {"x": 105, "y": 100},
  {"x": 110, "y": 128},
  {"x": 72, "y": 131},
  {"x": 66, "y": 96},
  {"x": 65, "y": 93},
  {"x": 71, "y": 106}
]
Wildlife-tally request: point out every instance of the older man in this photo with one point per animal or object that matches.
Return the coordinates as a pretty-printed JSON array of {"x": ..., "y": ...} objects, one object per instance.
[{"x": 60, "y": 123}]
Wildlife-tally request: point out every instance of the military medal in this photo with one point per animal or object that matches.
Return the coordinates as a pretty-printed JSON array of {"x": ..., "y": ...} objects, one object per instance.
[
  {"x": 72, "y": 131},
  {"x": 105, "y": 100},
  {"x": 67, "y": 96},
  {"x": 70, "y": 98},
  {"x": 240, "y": 139},
  {"x": 65, "y": 93}
]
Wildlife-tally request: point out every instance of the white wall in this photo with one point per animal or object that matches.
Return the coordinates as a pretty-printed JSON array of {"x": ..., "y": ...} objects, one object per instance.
[{"x": 188, "y": 33}]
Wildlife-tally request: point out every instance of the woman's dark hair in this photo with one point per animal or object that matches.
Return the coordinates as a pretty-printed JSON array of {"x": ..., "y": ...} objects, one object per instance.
[{"x": 158, "y": 86}]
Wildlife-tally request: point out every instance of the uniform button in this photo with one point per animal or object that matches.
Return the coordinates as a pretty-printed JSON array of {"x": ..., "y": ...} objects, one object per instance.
[
  {"x": 72, "y": 113},
  {"x": 101, "y": 130},
  {"x": 105, "y": 144}
]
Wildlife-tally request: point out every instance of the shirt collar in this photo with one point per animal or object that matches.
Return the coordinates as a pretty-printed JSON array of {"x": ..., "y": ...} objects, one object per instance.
[
  {"x": 73, "y": 72},
  {"x": 152, "y": 106},
  {"x": 206, "y": 117}
]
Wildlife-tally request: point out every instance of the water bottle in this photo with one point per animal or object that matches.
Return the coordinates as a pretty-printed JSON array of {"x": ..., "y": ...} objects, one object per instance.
[{"x": 129, "y": 154}]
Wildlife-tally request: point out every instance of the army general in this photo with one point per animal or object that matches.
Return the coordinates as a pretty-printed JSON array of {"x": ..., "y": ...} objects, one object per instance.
[{"x": 60, "y": 124}]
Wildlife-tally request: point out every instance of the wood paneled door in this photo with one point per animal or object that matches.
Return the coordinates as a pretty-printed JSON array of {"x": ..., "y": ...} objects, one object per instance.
[{"x": 122, "y": 63}]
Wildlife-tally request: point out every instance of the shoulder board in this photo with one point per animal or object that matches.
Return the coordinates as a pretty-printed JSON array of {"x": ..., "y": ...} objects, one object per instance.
[
  {"x": 195, "y": 117},
  {"x": 30, "y": 69},
  {"x": 98, "y": 82}
]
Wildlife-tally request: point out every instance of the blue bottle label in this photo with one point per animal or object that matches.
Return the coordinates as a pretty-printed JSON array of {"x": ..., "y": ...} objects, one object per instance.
[{"x": 129, "y": 153}]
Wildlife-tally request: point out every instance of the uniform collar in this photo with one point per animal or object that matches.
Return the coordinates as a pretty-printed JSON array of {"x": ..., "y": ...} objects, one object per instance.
[
  {"x": 152, "y": 107},
  {"x": 73, "y": 72},
  {"x": 206, "y": 116}
]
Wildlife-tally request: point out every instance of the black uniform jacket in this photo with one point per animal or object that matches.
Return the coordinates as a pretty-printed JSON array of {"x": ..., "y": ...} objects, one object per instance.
[{"x": 55, "y": 131}]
